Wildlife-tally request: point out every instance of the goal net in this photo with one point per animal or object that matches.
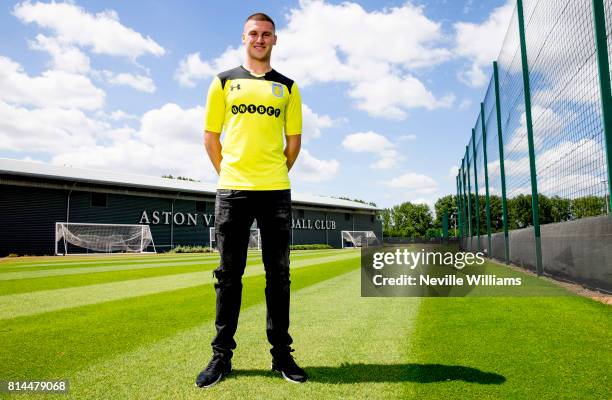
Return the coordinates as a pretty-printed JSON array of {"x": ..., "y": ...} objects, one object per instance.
[
  {"x": 359, "y": 239},
  {"x": 82, "y": 238},
  {"x": 254, "y": 239}
]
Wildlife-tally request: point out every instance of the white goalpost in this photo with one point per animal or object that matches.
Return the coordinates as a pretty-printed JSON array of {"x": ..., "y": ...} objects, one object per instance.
[
  {"x": 82, "y": 238},
  {"x": 359, "y": 239},
  {"x": 254, "y": 239}
]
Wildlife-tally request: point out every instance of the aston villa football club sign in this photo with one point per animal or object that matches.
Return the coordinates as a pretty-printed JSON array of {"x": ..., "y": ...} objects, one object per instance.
[{"x": 157, "y": 217}]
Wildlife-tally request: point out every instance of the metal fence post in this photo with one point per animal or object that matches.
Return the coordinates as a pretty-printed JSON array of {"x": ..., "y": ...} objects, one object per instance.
[
  {"x": 603, "y": 66},
  {"x": 463, "y": 200},
  {"x": 461, "y": 190},
  {"x": 469, "y": 197},
  {"x": 486, "y": 172},
  {"x": 502, "y": 170},
  {"x": 466, "y": 221},
  {"x": 458, "y": 204},
  {"x": 535, "y": 204},
  {"x": 477, "y": 200},
  {"x": 445, "y": 227}
]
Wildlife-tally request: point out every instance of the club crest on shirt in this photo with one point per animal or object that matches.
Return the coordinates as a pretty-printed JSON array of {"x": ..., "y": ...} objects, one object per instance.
[{"x": 277, "y": 89}]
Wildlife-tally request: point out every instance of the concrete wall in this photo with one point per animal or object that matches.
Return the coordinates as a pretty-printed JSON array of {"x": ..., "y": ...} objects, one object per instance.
[
  {"x": 522, "y": 247},
  {"x": 579, "y": 251},
  {"x": 498, "y": 243}
]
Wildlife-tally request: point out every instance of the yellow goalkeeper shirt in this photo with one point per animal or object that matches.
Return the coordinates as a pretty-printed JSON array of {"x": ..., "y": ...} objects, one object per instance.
[{"x": 253, "y": 111}]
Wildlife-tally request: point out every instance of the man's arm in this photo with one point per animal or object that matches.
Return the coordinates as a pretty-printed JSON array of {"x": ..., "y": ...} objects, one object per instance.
[
  {"x": 212, "y": 143},
  {"x": 292, "y": 149}
]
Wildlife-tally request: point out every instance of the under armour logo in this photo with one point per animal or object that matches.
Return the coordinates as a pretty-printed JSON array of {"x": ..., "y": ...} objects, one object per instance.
[{"x": 237, "y": 87}]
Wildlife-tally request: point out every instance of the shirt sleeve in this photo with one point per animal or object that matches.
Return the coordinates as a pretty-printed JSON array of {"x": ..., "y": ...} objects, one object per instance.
[
  {"x": 293, "y": 112},
  {"x": 214, "y": 116}
]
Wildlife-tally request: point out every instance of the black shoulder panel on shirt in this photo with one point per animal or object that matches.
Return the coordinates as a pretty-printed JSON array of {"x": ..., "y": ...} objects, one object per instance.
[
  {"x": 241, "y": 73},
  {"x": 280, "y": 78},
  {"x": 234, "y": 73}
]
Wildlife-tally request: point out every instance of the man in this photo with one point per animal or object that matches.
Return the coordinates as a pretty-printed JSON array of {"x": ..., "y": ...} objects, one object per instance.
[{"x": 254, "y": 105}]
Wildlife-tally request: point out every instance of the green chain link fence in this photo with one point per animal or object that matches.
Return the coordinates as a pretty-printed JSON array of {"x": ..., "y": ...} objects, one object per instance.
[{"x": 540, "y": 151}]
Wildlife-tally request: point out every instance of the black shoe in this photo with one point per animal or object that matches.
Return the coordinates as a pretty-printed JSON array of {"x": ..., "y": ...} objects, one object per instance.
[
  {"x": 283, "y": 362},
  {"x": 218, "y": 367}
]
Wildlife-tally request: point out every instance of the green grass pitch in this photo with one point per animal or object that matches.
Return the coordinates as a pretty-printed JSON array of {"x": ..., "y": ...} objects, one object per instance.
[{"x": 123, "y": 327}]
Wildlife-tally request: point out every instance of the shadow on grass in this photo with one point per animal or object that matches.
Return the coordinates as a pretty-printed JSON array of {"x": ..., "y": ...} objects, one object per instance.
[{"x": 420, "y": 373}]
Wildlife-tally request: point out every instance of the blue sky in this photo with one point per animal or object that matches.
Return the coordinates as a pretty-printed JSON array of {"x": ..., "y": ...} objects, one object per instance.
[{"x": 390, "y": 89}]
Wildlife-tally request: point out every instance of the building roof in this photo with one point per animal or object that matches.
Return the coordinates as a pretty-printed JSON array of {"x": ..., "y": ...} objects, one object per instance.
[{"x": 49, "y": 171}]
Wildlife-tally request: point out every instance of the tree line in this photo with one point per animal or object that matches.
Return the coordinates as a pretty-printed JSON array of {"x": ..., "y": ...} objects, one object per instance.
[{"x": 417, "y": 220}]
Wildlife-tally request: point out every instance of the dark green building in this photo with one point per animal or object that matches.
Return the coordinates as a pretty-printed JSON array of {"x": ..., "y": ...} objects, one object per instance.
[{"x": 34, "y": 196}]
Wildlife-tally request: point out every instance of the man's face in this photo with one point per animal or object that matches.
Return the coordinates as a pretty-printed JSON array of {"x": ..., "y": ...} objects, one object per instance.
[{"x": 258, "y": 39}]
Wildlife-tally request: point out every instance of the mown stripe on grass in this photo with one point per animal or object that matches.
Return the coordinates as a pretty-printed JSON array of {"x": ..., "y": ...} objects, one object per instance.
[
  {"x": 532, "y": 346},
  {"x": 99, "y": 261},
  {"x": 352, "y": 347},
  {"x": 34, "y": 263},
  {"x": 51, "y": 345},
  {"x": 49, "y": 300},
  {"x": 543, "y": 347},
  {"x": 48, "y": 283},
  {"x": 79, "y": 280},
  {"x": 7, "y": 276}
]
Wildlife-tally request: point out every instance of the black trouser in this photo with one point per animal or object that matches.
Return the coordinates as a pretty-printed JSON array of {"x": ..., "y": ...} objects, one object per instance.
[{"x": 235, "y": 211}]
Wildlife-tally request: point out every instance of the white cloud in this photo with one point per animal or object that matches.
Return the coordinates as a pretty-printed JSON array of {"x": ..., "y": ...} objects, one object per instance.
[
  {"x": 134, "y": 156},
  {"x": 65, "y": 57},
  {"x": 117, "y": 115},
  {"x": 424, "y": 200},
  {"x": 374, "y": 96},
  {"x": 192, "y": 68},
  {"x": 168, "y": 141},
  {"x": 468, "y": 6},
  {"x": 307, "y": 168},
  {"x": 465, "y": 104},
  {"x": 474, "y": 76},
  {"x": 415, "y": 183},
  {"x": 573, "y": 185},
  {"x": 347, "y": 29},
  {"x": 51, "y": 89},
  {"x": 420, "y": 200},
  {"x": 121, "y": 115},
  {"x": 342, "y": 43},
  {"x": 138, "y": 82},
  {"x": 547, "y": 123},
  {"x": 372, "y": 142},
  {"x": 453, "y": 172},
  {"x": 312, "y": 123},
  {"x": 481, "y": 43},
  {"x": 48, "y": 130},
  {"x": 101, "y": 32},
  {"x": 409, "y": 137},
  {"x": 115, "y": 135},
  {"x": 516, "y": 167},
  {"x": 171, "y": 123},
  {"x": 567, "y": 169},
  {"x": 387, "y": 160},
  {"x": 572, "y": 58},
  {"x": 493, "y": 168},
  {"x": 494, "y": 190}
]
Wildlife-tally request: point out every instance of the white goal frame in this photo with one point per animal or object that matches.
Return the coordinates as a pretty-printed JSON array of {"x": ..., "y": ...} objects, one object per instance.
[
  {"x": 211, "y": 238},
  {"x": 369, "y": 234},
  {"x": 61, "y": 226}
]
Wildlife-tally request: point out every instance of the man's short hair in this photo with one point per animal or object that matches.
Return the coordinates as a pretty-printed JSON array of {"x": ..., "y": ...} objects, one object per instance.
[{"x": 261, "y": 17}]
